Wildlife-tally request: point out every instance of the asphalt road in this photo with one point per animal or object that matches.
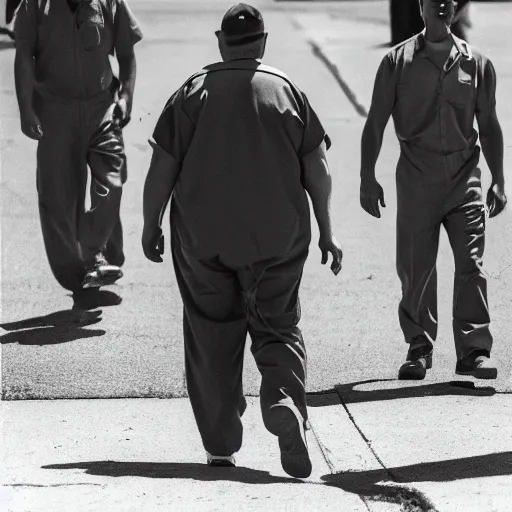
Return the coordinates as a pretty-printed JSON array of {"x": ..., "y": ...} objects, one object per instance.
[{"x": 130, "y": 341}]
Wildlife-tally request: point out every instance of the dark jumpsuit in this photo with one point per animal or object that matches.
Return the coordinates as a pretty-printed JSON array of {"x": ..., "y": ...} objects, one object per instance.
[
  {"x": 74, "y": 99},
  {"x": 439, "y": 183},
  {"x": 240, "y": 228}
]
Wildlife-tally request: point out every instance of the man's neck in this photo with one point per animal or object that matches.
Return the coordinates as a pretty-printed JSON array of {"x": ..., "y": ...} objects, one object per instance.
[
  {"x": 437, "y": 33},
  {"x": 444, "y": 45}
]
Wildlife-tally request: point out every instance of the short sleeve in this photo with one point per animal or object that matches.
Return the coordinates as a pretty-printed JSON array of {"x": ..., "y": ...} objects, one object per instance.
[
  {"x": 486, "y": 87},
  {"x": 314, "y": 132},
  {"x": 384, "y": 88},
  {"x": 25, "y": 27},
  {"x": 174, "y": 129},
  {"x": 127, "y": 32}
]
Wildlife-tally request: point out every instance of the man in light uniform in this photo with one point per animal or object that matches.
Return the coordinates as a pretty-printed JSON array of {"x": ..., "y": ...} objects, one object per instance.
[
  {"x": 434, "y": 85},
  {"x": 237, "y": 146},
  {"x": 72, "y": 104}
]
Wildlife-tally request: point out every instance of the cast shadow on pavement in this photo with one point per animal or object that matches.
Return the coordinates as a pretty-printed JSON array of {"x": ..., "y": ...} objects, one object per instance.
[
  {"x": 62, "y": 326},
  {"x": 95, "y": 298},
  {"x": 370, "y": 484},
  {"x": 178, "y": 470},
  {"x": 348, "y": 395},
  {"x": 7, "y": 45},
  {"x": 376, "y": 485},
  {"x": 53, "y": 329}
]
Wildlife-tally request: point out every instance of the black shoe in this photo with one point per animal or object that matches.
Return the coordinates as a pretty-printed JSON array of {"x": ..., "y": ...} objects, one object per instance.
[
  {"x": 288, "y": 424},
  {"x": 220, "y": 461},
  {"x": 477, "y": 364},
  {"x": 419, "y": 360},
  {"x": 101, "y": 273}
]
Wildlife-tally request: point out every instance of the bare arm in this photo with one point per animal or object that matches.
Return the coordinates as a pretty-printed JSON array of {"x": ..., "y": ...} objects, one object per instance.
[
  {"x": 318, "y": 184},
  {"x": 371, "y": 141},
  {"x": 491, "y": 139},
  {"x": 160, "y": 180},
  {"x": 24, "y": 75},
  {"x": 383, "y": 102},
  {"x": 491, "y": 136},
  {"x": 127, "y": 75},
  {"x": 24, "y": 78}
]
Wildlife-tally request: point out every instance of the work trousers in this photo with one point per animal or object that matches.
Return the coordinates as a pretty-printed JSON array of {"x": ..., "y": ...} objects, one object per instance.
[
  {"x": 77, "y": 135},
  {"x": 422, "y": 209},
  {"x": 221, "y": 305}
]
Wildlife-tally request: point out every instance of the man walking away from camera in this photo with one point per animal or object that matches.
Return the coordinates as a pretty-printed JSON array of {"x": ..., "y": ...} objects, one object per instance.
[{"x": 238, "y": 146}]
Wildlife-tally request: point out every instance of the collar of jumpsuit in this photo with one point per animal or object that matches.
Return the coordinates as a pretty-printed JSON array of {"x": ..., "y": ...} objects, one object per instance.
[{"x": 459, "y": 49}]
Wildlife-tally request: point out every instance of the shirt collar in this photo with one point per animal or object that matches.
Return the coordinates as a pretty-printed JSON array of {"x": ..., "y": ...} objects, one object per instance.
[{"x": 461, "y": 46}]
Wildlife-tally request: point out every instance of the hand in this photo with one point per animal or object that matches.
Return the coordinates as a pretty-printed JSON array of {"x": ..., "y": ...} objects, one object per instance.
[
  {"x": 31, "y": 125},
  {"x": 153, "y": 243},
  {"x": 496, "y": 199},
  {"x": 327, "y": 245},
  {"x": 122, "y": 112},
  {"x": 370, "y": 194}
]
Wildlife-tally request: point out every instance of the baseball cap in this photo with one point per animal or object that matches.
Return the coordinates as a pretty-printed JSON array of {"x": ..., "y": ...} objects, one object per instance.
[{"x": 242, "y": 23}]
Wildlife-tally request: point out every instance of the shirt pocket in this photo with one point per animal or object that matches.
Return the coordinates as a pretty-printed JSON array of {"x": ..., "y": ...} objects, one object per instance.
[{"x": 461, "y": 92}]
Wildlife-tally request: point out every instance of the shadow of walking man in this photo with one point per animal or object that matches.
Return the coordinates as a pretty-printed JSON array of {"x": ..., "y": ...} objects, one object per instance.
[
  {"x": 181, "y": 470},
  {"x": 62, "y": 326},
  {"x": 53, "y": 329}
]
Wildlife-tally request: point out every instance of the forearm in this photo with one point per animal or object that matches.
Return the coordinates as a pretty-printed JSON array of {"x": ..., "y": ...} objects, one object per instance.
[
  {"x": 159, "y": 185},
  {"x": 492, "y": 148},
  {"x": 127, "y": 75},
  {"x": 24, "y": 77},
  {"x": 318, "y": 184},
  {"x": 371, "y": 143}
]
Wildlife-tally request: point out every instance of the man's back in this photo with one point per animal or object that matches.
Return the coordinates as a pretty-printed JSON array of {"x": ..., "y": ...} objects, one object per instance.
[{"x": 239, "y": 193}]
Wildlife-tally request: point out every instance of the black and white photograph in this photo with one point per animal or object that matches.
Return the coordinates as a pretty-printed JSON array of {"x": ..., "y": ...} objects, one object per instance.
[{"x": 255, "y": 256}]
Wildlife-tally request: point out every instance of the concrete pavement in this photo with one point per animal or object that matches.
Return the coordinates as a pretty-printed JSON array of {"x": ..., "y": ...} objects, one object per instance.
[
  {"x": 392, "y": 452},
  {"x": 377, "y": 444}
]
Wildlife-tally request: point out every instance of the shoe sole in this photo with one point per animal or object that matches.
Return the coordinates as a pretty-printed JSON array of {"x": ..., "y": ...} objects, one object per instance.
[
  {"x": 217, "y": 463},
  {"x": 292, "y": 441},
  {"x": 480, "y": 373},
  {"x": 411, "y": 371}
]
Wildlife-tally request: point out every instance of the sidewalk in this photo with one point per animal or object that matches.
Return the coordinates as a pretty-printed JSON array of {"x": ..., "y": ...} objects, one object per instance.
[{"x": 145, "y": 455}]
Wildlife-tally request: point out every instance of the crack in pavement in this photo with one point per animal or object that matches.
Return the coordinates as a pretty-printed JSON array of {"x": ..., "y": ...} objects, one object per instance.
[
  {"x": 349, "y": 93},
  {"x": 319, "y": 53},
  {"x": 411, "y": 499}
]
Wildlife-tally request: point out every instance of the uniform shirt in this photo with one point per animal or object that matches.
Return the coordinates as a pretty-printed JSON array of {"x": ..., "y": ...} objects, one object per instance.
[
  {"x": 239, "y": 131},
  {"x": 434, "y": 108},
  {"x": 72, "y": 46}
]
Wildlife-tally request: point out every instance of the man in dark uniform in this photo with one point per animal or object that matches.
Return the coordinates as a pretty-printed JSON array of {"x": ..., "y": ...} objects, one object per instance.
[
  {"x": 237, "y": 146},
  {"x": 434, "y": 85},
  {"x": 70, "y": 102}
]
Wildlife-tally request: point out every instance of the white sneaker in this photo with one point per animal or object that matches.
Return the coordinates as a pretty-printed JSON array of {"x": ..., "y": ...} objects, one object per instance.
[{"x": 223, "y": 461}]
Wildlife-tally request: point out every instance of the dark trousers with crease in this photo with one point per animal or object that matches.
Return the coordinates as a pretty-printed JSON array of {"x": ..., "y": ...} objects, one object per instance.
[
  {"x": 221, "y": 305},
  {"x": 77, "y": 135},
  {"x": 422, "y": 210}
]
